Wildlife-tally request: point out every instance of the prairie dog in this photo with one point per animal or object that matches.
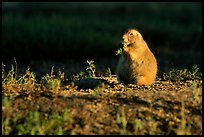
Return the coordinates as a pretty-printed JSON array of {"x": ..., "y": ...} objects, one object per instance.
[{"x": 137, "y": 64}]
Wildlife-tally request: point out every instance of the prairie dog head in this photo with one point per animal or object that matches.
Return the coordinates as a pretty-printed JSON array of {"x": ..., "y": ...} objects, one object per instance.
[
  {"x": 131, "y": 36},
  {"x": 132, "y": 42}
]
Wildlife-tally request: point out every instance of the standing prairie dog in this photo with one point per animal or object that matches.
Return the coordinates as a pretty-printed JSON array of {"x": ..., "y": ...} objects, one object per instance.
[{"x": 137, "y": 64}]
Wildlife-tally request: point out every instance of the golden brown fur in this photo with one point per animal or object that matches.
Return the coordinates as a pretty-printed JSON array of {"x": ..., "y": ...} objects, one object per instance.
[{"x": 137, "y": 64}]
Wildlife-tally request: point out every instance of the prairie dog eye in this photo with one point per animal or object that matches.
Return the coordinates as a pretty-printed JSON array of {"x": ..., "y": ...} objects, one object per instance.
[{"x": 131, "y": 34}]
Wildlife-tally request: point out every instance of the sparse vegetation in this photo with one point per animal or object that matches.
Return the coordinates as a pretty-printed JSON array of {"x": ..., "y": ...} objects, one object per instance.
[
  {"x": 183, "y": 74},
  {"x": 33, "y": 107}
]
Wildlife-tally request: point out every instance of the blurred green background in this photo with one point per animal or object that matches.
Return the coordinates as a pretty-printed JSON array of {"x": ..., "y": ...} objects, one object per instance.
[{"x": 57, "y": 31}]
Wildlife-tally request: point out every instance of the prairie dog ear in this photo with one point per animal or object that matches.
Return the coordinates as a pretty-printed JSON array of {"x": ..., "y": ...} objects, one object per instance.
[{"x": 138, "y": 34}]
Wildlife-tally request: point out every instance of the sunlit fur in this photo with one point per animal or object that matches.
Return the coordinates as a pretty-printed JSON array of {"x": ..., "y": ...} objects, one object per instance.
[{"x": 137, "y": 64}]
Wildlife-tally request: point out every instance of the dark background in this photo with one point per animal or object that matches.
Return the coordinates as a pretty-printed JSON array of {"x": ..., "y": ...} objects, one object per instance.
[{"x": 64, "y": 34}]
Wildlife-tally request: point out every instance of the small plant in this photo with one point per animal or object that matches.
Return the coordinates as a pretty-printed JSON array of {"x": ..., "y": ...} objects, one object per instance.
[
  {"x": 6, "y": 127},
  {"x": 108, "y": 72},
  {"x": 54, "y": 84},
  {"x": 145, "y": 126},
  {"x": 97, "y": 92},
  {"x": 91, "y": 68},
  {"x": 122, "y": 121},
  {"x": 138, "y": 127},
  {"x": 6, "y": 124},
  {"x": 88, "y": 73},
  {"x": 9, "y": 78},
  {"x": 119, "y": 51},
  {"x": 28, "y": 78},
  {"x": 51, "y": 81},
  {"x": 197, "y": 93},
  {"x": 2, "y": 76},
  {"x": 184, "y": 126}
]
